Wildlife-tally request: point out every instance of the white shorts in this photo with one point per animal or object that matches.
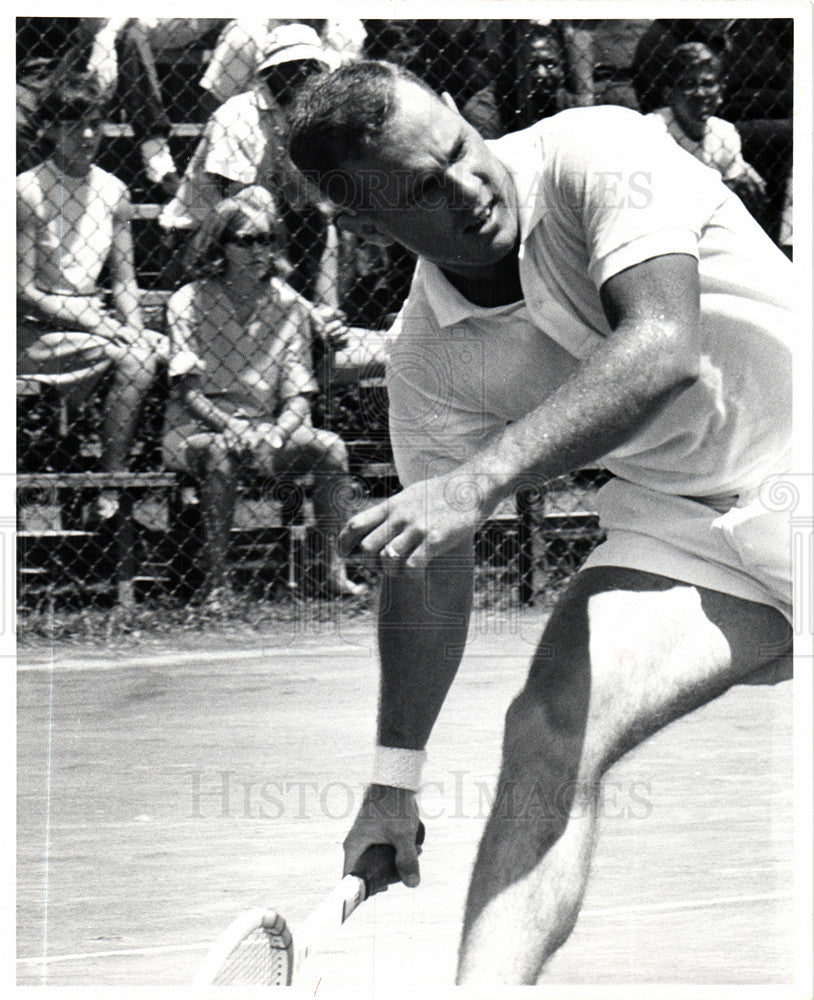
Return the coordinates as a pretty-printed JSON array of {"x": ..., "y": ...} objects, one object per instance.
[{"x": 745, "y": 552}]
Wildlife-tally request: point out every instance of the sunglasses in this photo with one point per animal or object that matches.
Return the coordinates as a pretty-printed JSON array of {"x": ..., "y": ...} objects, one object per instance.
[{"x": 254, "y": 239}]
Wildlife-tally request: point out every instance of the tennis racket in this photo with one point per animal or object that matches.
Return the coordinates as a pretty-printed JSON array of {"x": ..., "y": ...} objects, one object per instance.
[{"x": 259, "y": 949}]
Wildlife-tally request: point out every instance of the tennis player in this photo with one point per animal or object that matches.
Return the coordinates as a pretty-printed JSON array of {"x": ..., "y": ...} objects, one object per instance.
[{"x": 586, "y": 293}]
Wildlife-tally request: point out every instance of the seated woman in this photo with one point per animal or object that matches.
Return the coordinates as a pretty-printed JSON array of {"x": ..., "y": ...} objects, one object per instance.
[
  {"x": 72, "y": 219},
  {"x": 692, "y": 89},
  {"x": 239, "y": 361}
]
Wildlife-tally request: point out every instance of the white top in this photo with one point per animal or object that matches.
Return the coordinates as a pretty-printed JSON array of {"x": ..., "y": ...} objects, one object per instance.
[
  {"x": 236, "y": 56},
  {"x": 600, "y": 190},
  {"x": 243, "y": 42},
  {"x": 254, "y": 366},
  {"x": 245, "y": 141},
  {"x": 719, "y": 147},
  {"x": 73, "y": 221}
]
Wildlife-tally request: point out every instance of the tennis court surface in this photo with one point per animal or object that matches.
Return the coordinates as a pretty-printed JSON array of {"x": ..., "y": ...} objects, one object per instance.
[{"x": 161, "y": 793}]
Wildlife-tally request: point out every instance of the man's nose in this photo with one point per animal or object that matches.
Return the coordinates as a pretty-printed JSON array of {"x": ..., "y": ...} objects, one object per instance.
[{"x": 465, "y": 187}]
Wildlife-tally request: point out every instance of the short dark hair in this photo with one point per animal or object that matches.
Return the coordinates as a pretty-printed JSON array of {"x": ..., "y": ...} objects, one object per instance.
[
  {"x": 339, "y": 116},
  {"x": 688, "y": 56},
  {"x": 70, "y": 99}
]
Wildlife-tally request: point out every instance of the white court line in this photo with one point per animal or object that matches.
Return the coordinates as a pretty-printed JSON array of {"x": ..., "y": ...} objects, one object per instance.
[
  {"x": 164, "y": 949},
  {"x": 199, "y": 656},
  {"x": 690, "y": 904}
]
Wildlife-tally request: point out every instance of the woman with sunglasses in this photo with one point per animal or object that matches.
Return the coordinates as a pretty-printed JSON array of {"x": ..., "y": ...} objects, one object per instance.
[{"x": 241, "y": 374}]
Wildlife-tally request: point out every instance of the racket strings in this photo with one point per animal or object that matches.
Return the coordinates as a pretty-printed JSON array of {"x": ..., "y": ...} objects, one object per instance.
[{"x": 262, "y": 958}]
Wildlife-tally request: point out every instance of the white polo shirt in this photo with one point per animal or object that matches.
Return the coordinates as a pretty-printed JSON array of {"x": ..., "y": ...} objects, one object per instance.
[{"x": 599, "y": 190}]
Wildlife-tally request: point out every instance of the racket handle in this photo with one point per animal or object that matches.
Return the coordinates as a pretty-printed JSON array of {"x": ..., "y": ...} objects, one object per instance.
[{"x": 377, "y": 865}]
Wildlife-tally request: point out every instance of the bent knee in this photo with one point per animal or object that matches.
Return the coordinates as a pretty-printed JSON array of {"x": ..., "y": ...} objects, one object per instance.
[
  {"x": 331, "y": 451},
  {"x": 544, "y": 732},
  {"x": 138, "y": 365},
  {"x": 204, "y": 455}
]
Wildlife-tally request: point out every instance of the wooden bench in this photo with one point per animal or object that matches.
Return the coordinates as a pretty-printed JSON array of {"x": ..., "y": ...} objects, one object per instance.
[
  {"x": 128, "y": 485},
  {"x": 515, "y": 526}
]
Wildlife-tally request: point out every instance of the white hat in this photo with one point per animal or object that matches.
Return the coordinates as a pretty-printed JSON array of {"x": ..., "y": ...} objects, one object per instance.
[{"x": 290, "y": 42}]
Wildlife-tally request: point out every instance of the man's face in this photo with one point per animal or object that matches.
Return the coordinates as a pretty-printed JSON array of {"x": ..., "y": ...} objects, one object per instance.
[
  {"x": 75, "y": 143},
  {"x": 695, "y": 97},
  {"x": 543, "y": 73},
  {"x": 285, "y": 79},
  {"x": 432, "y": 185}
]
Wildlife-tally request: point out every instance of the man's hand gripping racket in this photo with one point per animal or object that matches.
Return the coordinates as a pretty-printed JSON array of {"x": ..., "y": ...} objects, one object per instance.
[{"x": 259, "y": 949}]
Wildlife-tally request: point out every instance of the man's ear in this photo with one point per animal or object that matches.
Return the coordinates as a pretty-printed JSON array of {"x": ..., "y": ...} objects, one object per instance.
[{"x": 446, "y": 97}]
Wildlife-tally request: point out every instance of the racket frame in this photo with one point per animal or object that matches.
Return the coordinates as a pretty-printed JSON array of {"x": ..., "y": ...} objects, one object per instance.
[{"x": 327, "y": 917}]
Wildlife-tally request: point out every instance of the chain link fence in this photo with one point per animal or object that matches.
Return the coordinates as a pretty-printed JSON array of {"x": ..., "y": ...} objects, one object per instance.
[{"x": 190, "y": 429}]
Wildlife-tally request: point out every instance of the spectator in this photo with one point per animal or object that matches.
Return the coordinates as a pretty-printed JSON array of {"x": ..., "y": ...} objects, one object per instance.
[
  {"x": 237, "y": 54},
  {"x": 534, "y": 88},
  {"x": 120, "y": 54},
  {"x": 245, "y": 142},
  {"x": 242, "y": 43},
  {"x": 242, "y": 378},
  {"x": 72, "y": 219},
  {"x": 692, "y": 91},
  {"x": 656, "y": 44},
  {"x": 49, "y": 49}
]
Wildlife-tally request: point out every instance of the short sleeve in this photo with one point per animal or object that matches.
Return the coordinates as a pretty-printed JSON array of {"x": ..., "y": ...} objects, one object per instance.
[
  {"x": 637, "y": 194},
  {"x": 184, "y": 359},
  {"x": 234, "y": 60},
  {"x": 232, "y": 152}
]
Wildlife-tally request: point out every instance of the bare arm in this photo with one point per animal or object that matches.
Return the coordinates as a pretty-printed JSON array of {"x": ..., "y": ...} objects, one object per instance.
[
  {"x": 423, "y": 623},
  {"x": 651, "y": 354},
  {"x": 123, "y": 273},
  {"x": 199, "y": 404},
  {"x": 236, "y": 431},
  {"x": 295, "y": 413}
]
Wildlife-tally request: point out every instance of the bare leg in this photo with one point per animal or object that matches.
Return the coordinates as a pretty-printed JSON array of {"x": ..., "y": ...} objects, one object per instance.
[
  {"x": 624, "y": 654},
  {"x": 217, "y": 472},
  {"x": 334, "y": 494},
  {"x": 133, "y": 374}
]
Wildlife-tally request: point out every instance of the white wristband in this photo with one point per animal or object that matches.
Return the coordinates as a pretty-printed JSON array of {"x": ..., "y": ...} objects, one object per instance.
[{"x": 398, "y": 767}]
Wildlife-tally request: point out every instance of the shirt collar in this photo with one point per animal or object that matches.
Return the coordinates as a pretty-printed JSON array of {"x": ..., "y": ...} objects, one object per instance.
[{"x": 446, "y": 302}]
